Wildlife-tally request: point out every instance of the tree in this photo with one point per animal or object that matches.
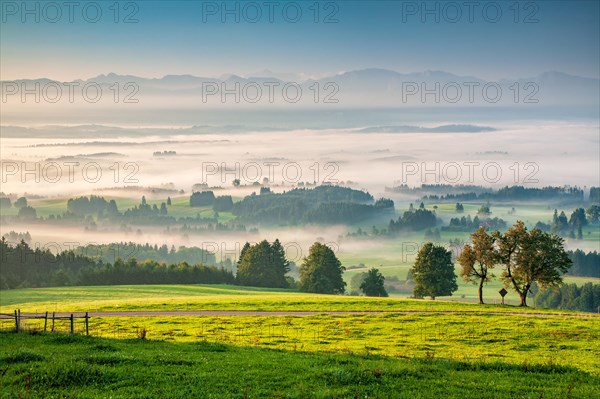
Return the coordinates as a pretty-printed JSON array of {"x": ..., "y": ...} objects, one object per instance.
[
  {"x": 169, "y": 201},
  {"x": 433, "y": 272},
  {"x": 223, "y": 204},
  {"x": 373, "y": 284},
  {"x": 593, "y": 212},
  {"x": 20, "y": 202},
  {"x": 560, "y": 224},
  {"x": 236, "y": 182},
  {"x": 356, "y": 281},
  {"x": 477, "y": 259},
  {"x": 263, "y": 265},
  {"x": 459, "y": 207},
  {"x": 202, "y": 198},
  {"x": 484, "y": 210},
  {"x": 531, "y": 256},
  {"x": 578, "y": 218},
  {"x": 163, "y": 209},
  {"x": 321, "y": 271},
  {"x": 5, "y": 202},
  {"x": 27, "y": 212},
  {"x": 61, "y": 278}
]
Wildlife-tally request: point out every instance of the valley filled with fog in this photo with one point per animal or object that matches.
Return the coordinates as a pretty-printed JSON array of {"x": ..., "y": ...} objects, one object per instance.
[{"x": 51, "y": 163}]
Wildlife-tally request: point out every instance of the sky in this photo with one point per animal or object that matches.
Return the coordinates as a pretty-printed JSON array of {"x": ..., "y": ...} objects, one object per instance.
[{"x": 156, "y": 38}]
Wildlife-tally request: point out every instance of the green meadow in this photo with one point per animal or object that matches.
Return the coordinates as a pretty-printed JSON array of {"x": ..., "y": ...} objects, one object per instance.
[{"x": 412, "y": 349}]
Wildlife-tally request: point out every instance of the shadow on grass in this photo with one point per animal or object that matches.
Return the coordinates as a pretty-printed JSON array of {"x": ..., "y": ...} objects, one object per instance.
[{"x": 55, "y": 365}]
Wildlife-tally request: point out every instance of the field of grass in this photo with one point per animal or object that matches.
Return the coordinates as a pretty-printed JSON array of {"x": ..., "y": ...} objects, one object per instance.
[
  {"x": 416, "y": 349},
  {"x": 84, "y": 367},
  {"x": 216, "y": 297}
]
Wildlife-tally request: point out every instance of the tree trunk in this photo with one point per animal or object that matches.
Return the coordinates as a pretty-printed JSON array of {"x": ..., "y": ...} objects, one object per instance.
[
  {"x": 523, "y": 295},
  {"x": 523, "y": 300},
  {"x": 480, "y": 292}
]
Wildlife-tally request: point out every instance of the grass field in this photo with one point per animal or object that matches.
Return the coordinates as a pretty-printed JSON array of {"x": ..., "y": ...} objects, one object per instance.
[
  {"x": 83, "y": 367},
  {"x": 215, "y": 297},
  {"x": 435, "y": 349}
]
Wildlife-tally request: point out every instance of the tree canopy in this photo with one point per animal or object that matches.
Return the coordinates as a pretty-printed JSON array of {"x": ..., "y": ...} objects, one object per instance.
[
  {"x": 263, "y": 265},
  {"x": 433, "y": 272},
  {"x": 531, "y": 256},
  {"x": 477, "y": 258},
  {"x": 373, "y": 284},
  {"x": 321, "y": 271}
]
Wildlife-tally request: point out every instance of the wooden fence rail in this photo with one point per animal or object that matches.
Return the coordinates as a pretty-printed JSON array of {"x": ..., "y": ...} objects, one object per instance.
[{"x": 18, "y": 316}]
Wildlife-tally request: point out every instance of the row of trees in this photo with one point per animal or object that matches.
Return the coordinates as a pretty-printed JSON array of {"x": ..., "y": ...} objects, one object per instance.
[
  {"x": 567, "y": 227},
  {"x": 151, "y": 272},
  {"x": 109, "y": 253},
  {"x": 24, "y": 266},
  {"x": 467, "y": 224},
  {"x": 510, "y": 193},
  {"x": 412, "y": 219},
  {"x": 571, "y": 297},
  {"x": 527, "y": 257},
  {"x": 265, "y": 265},
  {"x": 207, "y": 198},
  {"x": 19, "y": 203},
  {"x": 584, "y": 264}
]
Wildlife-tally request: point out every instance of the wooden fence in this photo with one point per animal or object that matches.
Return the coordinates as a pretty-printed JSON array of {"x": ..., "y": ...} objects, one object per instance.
[{"x": 50, "y": 320}]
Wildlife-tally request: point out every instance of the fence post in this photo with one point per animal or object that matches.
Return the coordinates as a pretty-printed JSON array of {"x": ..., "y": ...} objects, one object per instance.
[
  {"x": 16, "y": 322},
  {"x": 52, "y": 329},
  {"x": 72, "y": 329},
  {"x": 87, "y": 330},
  {"x": 45, "y": 321}
]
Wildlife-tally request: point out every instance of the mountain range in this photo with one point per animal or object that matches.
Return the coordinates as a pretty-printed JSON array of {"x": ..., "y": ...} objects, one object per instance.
[{"x": 361, "y": 88}]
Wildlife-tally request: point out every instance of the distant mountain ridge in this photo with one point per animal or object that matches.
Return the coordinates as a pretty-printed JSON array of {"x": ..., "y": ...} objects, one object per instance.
[{"x": 372, "y": 87}]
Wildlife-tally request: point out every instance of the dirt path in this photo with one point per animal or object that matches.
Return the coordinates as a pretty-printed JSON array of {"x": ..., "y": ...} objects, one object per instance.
[{"x": 234, "y": 313}]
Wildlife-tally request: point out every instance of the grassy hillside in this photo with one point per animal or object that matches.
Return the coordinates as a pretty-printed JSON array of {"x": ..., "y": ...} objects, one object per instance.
[{"x": 414, "y": 328}]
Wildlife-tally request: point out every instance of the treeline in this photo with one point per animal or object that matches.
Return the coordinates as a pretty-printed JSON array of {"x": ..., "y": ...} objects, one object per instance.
[
  {"x": 515, "y": 193},
  {"x": 108, "y": 253},
  {"x": 152, "y": 272},
  {"x": 595, "y": 194},
  {"x": 584, "y": 264},
  {"x": 466, "y": 224},
  {"x": 322, "y": 205},
  {"x": 207, "y": 198},
  {"x": 433, "y": 191},
  {"x": 413, "y": 219},
  {"x": 25, "y": 267},
  {"x": 90, "y": 209},
  {"x": 83, "y": 207},
  {"x": 571, "y": 227},
  {"x": 92, "y": 205},
  {"x": 571, "y": 297}
]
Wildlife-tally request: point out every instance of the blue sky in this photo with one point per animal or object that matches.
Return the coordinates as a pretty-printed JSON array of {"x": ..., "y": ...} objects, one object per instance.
[{"x": 176, "y": 38}]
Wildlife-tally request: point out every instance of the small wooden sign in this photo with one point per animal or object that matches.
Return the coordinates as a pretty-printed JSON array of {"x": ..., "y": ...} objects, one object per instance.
[{"x": 503, "y": 292}]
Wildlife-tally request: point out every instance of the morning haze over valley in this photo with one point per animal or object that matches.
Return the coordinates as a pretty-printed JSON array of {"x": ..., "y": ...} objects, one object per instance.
[{"x": 325, "y": 199}]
